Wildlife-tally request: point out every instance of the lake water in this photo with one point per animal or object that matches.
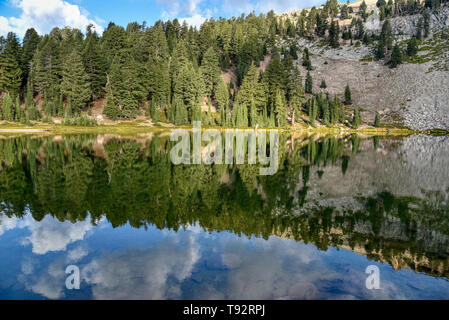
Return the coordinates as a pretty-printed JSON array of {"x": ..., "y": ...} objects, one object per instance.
[{"x": 139, "y": 227}]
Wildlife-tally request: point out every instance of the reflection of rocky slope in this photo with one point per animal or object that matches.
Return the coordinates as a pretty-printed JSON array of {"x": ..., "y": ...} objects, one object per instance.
[
  {"x": 412, "y": 167},
  {"x": 407, "y": 184}
]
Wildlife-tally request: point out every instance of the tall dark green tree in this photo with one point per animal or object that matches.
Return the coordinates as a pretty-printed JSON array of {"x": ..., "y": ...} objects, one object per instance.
[
  {"x": 94, "y": 63},
  {"x": 30, "y": 42},
  {"x": 362, "y": 10},
  {"x": 377, "y": 120},
  {"x": 280, "y": 108},
  {"x": 348, "y": 98},
  {"x": 396, "y": 57},
  {"x": 210, "y": 70},
  {"x": 75, "y": 83},
  {"x": 7, "y": 108},
  {"x": 357, "y": 119},
  {"x": 127, "y": 83},
  {"x": 10, "y": 71},
  {"x": 309, "y": 84},
  {"x": 111, "y": 109},
  {"x": 222, "y": 97},
  {"x": 412, "y": 47},
  {"x": 334, "y": 34},
  {"x": 323, "y": 84},
  {"x": 46, "y": 67},
  {"x": 252, "y": 95}
]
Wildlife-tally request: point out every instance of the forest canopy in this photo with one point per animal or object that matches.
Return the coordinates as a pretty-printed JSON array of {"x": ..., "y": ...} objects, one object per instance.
[{"x": 179, "y": 74}]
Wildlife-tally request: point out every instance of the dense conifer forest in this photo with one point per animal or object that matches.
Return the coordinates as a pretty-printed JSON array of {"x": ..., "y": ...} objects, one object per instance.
[{"x": 172, "y": 72}]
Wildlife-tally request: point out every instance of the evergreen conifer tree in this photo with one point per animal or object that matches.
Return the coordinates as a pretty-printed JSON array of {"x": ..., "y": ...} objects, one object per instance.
[
  {"x": 323, "y": 84},
  {"x": 95, "y": 64},
  {"x": 10, "y": 71},
  {"x": 357, "y": 119},
  {"x": 396, "y": 57},
  {"x": 210, "y": 70},
  {"x": 377, "y": 120},
  {"x": 7, "y": 107},
  {"x": 412, "y": 47},
  {"x": 280, "y": 108},
  {"x": 75, "y": 83},
  {"x": 309, "y": 84},
  {"x": 348, "y": 98},
  {"x": 111, "y": 110}
]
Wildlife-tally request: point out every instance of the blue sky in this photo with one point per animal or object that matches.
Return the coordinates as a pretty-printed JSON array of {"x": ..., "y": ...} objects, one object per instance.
[{"x": 43, "y": 15}]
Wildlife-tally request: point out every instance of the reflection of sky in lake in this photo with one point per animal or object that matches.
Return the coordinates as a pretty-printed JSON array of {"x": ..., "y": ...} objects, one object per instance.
[{"x": 128, "y": 263}]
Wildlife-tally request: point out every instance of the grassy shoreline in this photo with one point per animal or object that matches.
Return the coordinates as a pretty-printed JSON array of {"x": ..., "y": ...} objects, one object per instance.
[{"x": 140, "y": 127}]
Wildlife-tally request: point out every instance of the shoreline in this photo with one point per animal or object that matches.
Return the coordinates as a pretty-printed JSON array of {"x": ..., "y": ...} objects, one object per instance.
[{"x": 136, "y": 127}]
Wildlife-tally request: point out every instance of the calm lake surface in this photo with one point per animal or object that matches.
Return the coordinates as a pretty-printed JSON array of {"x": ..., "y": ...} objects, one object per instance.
[{"x": 139, "y": 227}]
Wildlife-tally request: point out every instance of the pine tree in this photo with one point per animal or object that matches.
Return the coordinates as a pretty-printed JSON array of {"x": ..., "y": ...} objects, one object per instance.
[
  {"x": 326, "y": 115},
  {"x": 210, "y": 70},
  {"x": 275, "y": 78},
  {"x": 335, "y": 110},
  {"x": 377, "y": 120},
  {"x": 222, "y": 97},
  {"x": 75, "y": 83},
  {"x": 155, "y": 112},
  {"x": 357, "y": 119},
  {"x": 396, "y": 57},
  {"x": 295, "y": 93},
  {"x": 309, "y": 84},
  {"x": 180, "y": 111},
  {"x": 111, "y": 110},
  {"x": 306, "y": 59},
  {"x": 312, "y": 111},
  {"x": 362, "y": 10},
  {"x": 334, "y": 32},
  {"x": 426, "y": 18},
  {"x": 157, "y": 73},
  {"x": 30, "y": 108},
  {"x": 419, "y": 29},
  {"x": 380, "y": 50},
  {"x": 127, "y": 83},
  {"x": 252, "y": 94},
  {"x": 323, "y": 84},
  {"x": 412, "y": 47},
  {"x": 94, "y": 63},
  {"x": 7, "y": 107},
  {"x": 46, "y": 67},
  {"x": 280, "y": 108},
  {"x": 30, "y": 43},
  {"x": 386, "y": 35},
  {"x": 10, "y": 71},
  {"x": 348, "y": 98}
]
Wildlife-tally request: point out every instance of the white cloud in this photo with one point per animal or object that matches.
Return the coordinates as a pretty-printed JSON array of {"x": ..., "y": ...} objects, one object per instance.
[
  {"x": 52, "y": 235},
  {"x": 194, "y": 12},
  {"x": 153, "y": 273},
  {"x": 77, "y": 254},
  {"x": 48, "y": 281},
  {"x": 7, "y": 223},
  {"x": 44, "y": 15},
  {"x": 195, "y": 21},
  {"x": 237, "y": 7}
]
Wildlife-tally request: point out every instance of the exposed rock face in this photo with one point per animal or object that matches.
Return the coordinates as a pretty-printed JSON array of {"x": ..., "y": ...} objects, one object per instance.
[
  {"x": 414, "y": 94},
  {"x": 405, "y": 27}
]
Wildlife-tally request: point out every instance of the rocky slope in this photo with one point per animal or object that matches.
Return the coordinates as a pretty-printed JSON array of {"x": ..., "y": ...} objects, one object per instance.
[{"x": 414, "y": 94}]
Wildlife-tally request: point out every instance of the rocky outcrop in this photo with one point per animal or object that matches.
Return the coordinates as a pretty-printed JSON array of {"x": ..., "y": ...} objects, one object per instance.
[{"x": 414, "y": 94}]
